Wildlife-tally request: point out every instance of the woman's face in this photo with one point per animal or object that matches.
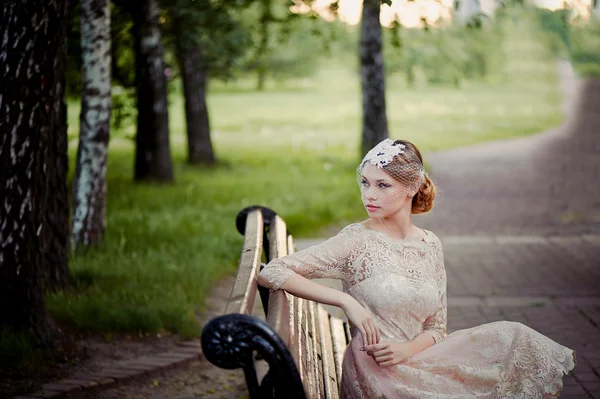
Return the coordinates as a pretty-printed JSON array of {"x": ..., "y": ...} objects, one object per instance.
[{"x": 381, "y": 194}]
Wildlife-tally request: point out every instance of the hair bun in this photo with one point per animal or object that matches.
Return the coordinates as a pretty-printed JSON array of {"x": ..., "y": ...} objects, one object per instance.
[{"x": 423, "y": 200}]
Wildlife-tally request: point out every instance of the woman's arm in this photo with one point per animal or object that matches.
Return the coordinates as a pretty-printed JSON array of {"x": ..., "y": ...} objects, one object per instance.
[
  {"x": 304, "y": 288},
  {"x": 435, "y": 325},
  {"x": 329, "y": 259}
]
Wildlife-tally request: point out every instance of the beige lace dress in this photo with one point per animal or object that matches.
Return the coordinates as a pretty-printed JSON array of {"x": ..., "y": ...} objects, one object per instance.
[{"x": 402, "y": 283}]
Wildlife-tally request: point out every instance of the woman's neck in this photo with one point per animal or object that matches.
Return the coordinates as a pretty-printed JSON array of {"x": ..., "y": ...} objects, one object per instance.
[{"x": 397, "y": 225}]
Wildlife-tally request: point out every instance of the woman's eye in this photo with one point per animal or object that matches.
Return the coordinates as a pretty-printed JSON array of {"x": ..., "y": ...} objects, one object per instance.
[
  {"x": 383, "y": 185},
  {"x": 364, "y": 183}
]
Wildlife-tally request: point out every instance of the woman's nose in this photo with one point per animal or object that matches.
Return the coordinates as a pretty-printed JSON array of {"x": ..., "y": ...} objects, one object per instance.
[{"x": 368, "y": 194}]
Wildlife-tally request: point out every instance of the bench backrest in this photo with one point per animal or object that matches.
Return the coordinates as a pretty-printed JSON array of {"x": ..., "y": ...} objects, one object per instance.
[{"x": 314, "y": 340}]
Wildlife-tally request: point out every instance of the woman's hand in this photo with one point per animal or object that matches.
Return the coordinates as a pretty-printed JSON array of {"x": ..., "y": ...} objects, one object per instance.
[
  {"x": 362, "y": 319},
  {"x": 390, "y": 353}
]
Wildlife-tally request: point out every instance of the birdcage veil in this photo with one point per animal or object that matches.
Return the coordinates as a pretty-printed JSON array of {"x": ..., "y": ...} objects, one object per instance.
[{"x": 400, "y": 163}]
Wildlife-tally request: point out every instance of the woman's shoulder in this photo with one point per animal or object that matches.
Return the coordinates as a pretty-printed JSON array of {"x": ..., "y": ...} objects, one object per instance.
[
  {"x": 352, "y": 228},
  {"x": 432, "y": 238}
]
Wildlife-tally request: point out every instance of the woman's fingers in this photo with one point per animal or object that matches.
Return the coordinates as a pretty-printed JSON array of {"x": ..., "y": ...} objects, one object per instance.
[
  {"x": 380, "y": 359},
  {"x": 375, "y": 331},
  {"x": 363, "y": 336},
  {"x": 368, "y": 332}
]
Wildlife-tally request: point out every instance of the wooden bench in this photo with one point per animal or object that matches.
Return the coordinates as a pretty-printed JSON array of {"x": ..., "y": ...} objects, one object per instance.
[{"x": 302, "y": 344}]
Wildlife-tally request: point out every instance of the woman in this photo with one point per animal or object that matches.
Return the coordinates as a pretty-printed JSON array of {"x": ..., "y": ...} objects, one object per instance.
[{"x": 394, "y": 295}]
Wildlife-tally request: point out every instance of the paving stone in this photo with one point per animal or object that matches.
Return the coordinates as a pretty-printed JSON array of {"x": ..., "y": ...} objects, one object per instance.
[
  {"x": 61, "y": 387},
  {"x": 48, "y": 394},
  {"x": 192, "y": 343},
  {"x": 80, "y": 383},
  {"x": 188, "y": 349}
]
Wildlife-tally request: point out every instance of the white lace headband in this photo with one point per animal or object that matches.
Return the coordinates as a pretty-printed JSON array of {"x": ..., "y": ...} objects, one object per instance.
[{"x": 383, "y": 153}]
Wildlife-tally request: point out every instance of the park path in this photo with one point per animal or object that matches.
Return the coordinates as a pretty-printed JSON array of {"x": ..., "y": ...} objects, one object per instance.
[
  {"x": 545, "y": 184},
  {"x": 520, "y": 224}
]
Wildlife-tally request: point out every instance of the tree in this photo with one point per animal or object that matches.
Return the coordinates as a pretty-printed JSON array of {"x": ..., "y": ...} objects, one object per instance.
[
  {"x": 194, "y": 75},
  {"x": 265, "y": 20},
  {"x": 207, "y": 41},
  {"x": 30, "y": 83},
  {"x": 153, "y": 151},
  {"x": 89, "y": 192},
  {"x": 374, "y": 126},
  {"x": 200, "y": 149},
  {"x": 57, "y": 214}
]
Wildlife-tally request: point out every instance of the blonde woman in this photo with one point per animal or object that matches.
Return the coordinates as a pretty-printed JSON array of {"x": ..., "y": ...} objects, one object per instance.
[{"x": 394, "y": 295}]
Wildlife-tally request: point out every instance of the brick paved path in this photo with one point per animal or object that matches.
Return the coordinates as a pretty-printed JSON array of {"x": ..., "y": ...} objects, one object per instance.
[
  {"x": 520, "y": 222},
  {"x": 520, "y": 225},
  {"x": 541, "y": 184}
]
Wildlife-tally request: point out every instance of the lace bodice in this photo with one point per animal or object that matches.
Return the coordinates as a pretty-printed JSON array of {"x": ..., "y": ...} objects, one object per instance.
[{"x": 402, "y": 283}]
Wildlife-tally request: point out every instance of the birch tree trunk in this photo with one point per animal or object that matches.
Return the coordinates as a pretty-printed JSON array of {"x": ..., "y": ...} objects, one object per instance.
[
  {"x": 374, "y": 127},
  {"x": 31, "y": 74},
  {"x": 89, "y": 191},
  {"x": 200, "y": 150},
  {"x": 152, "y": 153}
]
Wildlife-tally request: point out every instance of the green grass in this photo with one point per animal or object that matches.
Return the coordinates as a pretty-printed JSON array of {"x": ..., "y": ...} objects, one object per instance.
[{"x": 292, "y": 148}]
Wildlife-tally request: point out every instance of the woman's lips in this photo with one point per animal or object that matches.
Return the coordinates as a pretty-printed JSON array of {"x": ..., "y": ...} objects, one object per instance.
[{"x": 371, "y": 207}]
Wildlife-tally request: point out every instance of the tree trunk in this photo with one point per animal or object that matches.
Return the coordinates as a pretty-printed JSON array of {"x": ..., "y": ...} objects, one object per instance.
[
  {"x": 31, "y": 78},
  {"x": 374, "y": 127},
  {"x": 262, "y": 52},
  {"x": 57, "y": 214},
  {"x": 152, "y": 153},
  {"x": 89, "y": 191},
  {"x": 200, "y": 150}
]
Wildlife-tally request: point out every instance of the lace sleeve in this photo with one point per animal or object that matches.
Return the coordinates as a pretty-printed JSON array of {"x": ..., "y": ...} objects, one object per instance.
[
  {"x": 436, "y": 323},
  {"x": 326, "y": 260}
]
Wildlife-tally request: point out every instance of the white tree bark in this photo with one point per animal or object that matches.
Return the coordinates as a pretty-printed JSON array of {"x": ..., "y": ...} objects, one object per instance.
[{"x": 89, "y": 195}]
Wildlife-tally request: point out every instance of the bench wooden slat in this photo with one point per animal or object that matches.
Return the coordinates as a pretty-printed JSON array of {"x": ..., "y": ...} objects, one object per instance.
[
  {"x": 294, "y": 325},
  {"x": 317, "y": 349},
  {"x": 279, "y": 302},
  {"x": 307, "y": 358},
  {"x": 279, "y": 314},
  {"x": 277, "y": 238},
  {"x": 243, "y": 293},
  {"x": 348, "y": 332},
  {"x": 330, "y": 378},
  {"x": 338, "y": 339}
]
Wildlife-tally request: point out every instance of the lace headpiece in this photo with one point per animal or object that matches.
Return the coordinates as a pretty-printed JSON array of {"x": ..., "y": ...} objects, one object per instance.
[{"x": 383, "y": 153}]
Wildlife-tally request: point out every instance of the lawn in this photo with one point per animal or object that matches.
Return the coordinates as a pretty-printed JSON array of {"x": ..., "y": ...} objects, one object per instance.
[{"x": 293, "y": 148}]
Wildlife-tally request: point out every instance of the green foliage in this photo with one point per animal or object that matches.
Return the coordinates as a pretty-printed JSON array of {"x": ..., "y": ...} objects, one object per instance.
[
  {"x": 123, "y": 112},
  {"x": 572, "y": 38},
  {"x": 282, "y": 44},
  {"x": 122, "y": 47},
  {"x": 445, "y": 55},
  {"x": 556, "y": 25},
  {"x": 212, "y": 25},
  {"x": 585, "y": 49}
]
